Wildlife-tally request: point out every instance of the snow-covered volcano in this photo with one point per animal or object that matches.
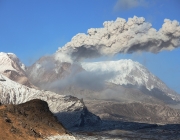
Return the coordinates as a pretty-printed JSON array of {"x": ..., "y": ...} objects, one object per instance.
[{"x": 128, "y": 72}]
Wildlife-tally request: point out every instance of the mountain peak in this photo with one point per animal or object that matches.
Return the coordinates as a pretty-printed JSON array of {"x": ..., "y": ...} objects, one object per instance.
[
  {"x": 8, "y": 60},
  {"x": 128, "y": 72},
  {"x": 13, "y": 68}
]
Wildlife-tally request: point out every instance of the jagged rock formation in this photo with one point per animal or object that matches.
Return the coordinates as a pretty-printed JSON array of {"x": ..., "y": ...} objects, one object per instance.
[{"x": 31, "y": 120}]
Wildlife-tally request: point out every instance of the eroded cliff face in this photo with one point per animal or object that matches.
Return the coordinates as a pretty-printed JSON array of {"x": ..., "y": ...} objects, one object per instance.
[{"x": 31, "y": 120}]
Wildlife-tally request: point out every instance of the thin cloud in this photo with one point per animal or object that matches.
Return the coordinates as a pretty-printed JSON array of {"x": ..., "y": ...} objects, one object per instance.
[
  {"x": 85, "y": 80},
  {"x": 129, "y": 4}
]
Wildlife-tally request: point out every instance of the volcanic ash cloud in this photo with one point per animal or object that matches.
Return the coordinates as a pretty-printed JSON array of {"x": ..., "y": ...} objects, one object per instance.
[{"x": 121, "y": 36}]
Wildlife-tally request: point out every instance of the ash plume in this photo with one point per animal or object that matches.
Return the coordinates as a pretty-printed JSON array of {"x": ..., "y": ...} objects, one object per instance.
[{"x": 121, "y": 36}]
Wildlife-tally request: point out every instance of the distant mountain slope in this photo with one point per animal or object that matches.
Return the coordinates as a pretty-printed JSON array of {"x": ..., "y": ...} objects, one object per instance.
[
  {"x": 11, "y": 67},
  {"x": 131, "y": 77},
  {"x": 128, "y": 72},
  {"x": 134, "y": 112},
  {"x": 70, "y": 110}
]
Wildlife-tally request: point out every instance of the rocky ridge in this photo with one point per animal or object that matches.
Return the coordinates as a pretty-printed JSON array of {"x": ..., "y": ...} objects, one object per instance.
[
  {"x": 69, "y": 110},
  {"x": 134, "y": 112}
]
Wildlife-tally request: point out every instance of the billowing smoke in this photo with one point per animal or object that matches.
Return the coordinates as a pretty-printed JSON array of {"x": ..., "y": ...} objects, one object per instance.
[{"x": 121, "y": 36}]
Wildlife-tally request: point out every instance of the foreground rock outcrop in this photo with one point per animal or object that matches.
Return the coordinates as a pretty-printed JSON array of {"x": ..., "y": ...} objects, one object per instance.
[{"x": 30, "y": 120}]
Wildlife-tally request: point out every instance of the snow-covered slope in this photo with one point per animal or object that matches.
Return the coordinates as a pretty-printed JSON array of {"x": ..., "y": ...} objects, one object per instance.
[
  {"x": 9, "y": 61},
  {"x": 13, "y": 68},
  {"x": 70, "y": 110},
  {"x": 128, "y": 72}
]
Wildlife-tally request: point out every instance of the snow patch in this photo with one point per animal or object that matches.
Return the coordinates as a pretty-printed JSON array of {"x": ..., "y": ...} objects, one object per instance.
[
  {"x": 8, "y": 60},
  {"x": 60, "y": 137}
]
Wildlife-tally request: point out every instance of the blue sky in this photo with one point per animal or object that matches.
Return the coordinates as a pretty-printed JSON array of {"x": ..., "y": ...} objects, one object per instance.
[{"x": 33, "y": 28}]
